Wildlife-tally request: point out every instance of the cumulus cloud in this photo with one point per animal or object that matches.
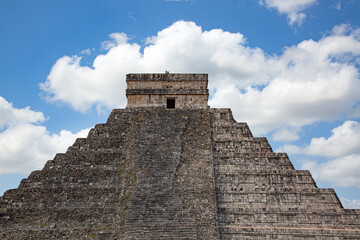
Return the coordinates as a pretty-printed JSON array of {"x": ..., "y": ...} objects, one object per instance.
[
  {"x": 292, "y": 8},
  {"x": 342, "y": 153},
  {"x": 343, "y": 141},
  {"x": 115, "y": 40},
  {"x": 310, "y": 82},
  {"x": 340, "y": 172},
  {"x": 25, "y": 144},
  {"x": 11, "y": 116},
  {"x": 182, "y": 47}
]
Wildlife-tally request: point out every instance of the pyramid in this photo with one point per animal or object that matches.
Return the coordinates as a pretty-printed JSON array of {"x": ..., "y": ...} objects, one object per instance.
[{"x": 169, "y": 167}]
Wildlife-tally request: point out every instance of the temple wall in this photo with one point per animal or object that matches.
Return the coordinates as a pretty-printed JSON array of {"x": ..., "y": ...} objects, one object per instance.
[
  {"x": 159, "y": 100},
  {"x": 177, "y": 84},
  {"x": 152, "y": 90}
]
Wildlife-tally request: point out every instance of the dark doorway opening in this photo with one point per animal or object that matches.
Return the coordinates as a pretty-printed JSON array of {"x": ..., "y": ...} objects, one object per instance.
[{"x": 170, "y": 103}]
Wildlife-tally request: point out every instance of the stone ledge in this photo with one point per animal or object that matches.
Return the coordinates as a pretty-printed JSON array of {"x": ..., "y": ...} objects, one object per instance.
[
  {"x": 172, "y": 91},
  {"x": 166, "y": 76}
]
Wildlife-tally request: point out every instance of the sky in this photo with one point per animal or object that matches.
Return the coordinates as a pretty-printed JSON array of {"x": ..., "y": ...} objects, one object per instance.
[{"x": 289, "y": 68}]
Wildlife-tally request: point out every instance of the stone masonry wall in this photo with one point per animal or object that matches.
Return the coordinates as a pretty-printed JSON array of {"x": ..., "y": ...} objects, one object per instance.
[
  {"x": 128, "y": 179},
  {"x": 152, "y": 90},
  {"x": 168, "y": 201},
  {"x": 261, "y": 196},
  {"x": 159, "y": 100}
]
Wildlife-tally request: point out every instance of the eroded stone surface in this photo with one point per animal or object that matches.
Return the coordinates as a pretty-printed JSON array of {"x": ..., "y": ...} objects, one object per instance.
[
  {"x": 189, "y": 91},
  {"x": 261, "y": 196},
  {"x": 129, "y": 179}
]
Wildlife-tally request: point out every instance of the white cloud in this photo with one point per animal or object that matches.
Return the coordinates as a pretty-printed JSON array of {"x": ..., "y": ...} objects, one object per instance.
[
  {"x": 340, "y": 172},
  {"x": 116, "y": 39},
  {"x": 351, "y": 203},
  {"x": 24, "y": 144},
  {"x": 344, "y": 140},
  {"x": 11, "y": 116},
  {"x": 285, "y": 134},
  {"x": 183, "y": 47},
  {"x": 292, "y": 8},
  {"x": 309, "y": 82},
  {"x": 86, "y": 51},
  {"x": 343, "y": 149},
  {"x": 291, "y": 149}
]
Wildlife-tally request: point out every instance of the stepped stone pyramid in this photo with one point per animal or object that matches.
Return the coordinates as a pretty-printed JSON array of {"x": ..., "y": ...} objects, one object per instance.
[{"x": 169, "y": 167}]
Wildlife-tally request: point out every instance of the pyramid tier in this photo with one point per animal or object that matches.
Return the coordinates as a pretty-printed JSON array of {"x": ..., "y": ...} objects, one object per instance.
[{"x": 260, "y": 195}]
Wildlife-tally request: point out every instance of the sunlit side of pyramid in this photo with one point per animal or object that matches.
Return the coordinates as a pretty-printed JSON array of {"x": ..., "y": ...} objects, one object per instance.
[{"x": 169, "y": 167}]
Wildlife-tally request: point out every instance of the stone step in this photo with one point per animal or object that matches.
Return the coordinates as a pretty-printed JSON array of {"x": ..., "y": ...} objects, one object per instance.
[
  {"x": 230, "y": 130},
  {"x": 59, "y": 215},
  {"x": 107, "y": 202},
  {"x": 250, "y": 206},
  {"x": 55, "y": 195},
  {"x": 254, "y": 233},
  {"x": 54, "y": 232},
  {"x": 249, "y": 155},
  {"x": 71, "y": 183},
  {"x": 253, "y": 166},
  {"x": 255, "y": 188},
  {"x": 263, "y": 176},
  {"x": 278, "y": 199},
  {"x": 267, "y": 164},
  {"x": 256, "y": 142},
  {"x": 235, "y": 168},
  {"x": 69, "y": 175},
  {"x": 262, "y": 205},
  {"x": 86, "y": 158},
  {"x": 270, "y": 209},
  {"x": 301, "y": 220}
]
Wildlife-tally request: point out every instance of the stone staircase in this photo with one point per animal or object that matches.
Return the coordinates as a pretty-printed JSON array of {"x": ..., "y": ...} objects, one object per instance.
[
  {"x": 128, "y": 179},
  {"x": 156, "y": 211}
]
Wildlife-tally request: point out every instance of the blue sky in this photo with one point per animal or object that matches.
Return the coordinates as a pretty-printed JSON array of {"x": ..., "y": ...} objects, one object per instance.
[{"x": 288, "y": 68}]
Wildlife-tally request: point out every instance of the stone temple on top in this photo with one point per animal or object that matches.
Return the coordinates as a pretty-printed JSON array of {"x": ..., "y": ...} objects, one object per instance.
[
  {"x": 170, "y": 167},
  {"x": 173, "y": 91}
]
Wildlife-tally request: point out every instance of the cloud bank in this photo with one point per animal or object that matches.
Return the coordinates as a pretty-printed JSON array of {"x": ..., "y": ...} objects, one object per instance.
[
  {"x": 25, "y": 145},
  {"x": 342, "y": 149},
  {"x": 309, "y": 82}
]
